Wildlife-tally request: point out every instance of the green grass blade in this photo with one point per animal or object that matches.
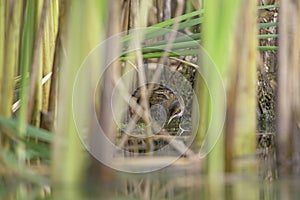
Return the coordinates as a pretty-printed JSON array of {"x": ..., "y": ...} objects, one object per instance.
[
  {"x": 183, "y": 38},
  {"x": 37, "y": 150},
  {"x": 266, "y": 48},
  {"x": 31, "y": 131},
  {"x": 266, "y": 25},
  {"x": 266, "y": 36},
  {"x": 268, "y": 6},
  {"x": 170, "y": 54},
  {"x": 170, "y": 22},
  {"x": 179, "y": 45}
]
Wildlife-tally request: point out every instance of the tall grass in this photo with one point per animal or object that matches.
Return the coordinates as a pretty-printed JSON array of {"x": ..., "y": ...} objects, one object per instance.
[{"x": 21, "y": 36}]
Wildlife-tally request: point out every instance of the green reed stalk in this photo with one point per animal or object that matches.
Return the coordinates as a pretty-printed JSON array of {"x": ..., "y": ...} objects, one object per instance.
[
  {"x": 11, "y": 53},
  {"x": 10, "y": 36},
  {"x": 83, "y": 32},
  {"x": 25, "y": 62},
  {"x": 2, "y": 40},
  {"x": 220, "y": 18}
]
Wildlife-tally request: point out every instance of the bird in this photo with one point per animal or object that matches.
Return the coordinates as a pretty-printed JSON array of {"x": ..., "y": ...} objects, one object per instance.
[{"x": 164, "y": 103}]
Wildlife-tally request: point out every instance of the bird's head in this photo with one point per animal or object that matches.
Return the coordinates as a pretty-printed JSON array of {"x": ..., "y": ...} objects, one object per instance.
[{"x": 176, "y": 110}]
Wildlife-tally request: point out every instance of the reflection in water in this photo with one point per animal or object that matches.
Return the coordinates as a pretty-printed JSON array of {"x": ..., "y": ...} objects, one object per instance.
[
  {"x": 182, "y": 184},
  {"x": 170, "y": 183}
]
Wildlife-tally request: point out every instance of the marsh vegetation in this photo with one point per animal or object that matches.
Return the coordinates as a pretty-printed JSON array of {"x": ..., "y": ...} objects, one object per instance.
[{"x": 201, "y": 98}]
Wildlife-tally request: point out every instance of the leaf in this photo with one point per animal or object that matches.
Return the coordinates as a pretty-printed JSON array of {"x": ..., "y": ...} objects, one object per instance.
[{"x": 31, "y": 131}]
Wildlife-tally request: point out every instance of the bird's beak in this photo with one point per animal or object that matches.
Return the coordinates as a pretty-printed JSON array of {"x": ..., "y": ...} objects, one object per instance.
[{"x": 171, "y": 118}]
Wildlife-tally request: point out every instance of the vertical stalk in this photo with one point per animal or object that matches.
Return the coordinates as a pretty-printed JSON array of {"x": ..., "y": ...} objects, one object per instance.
[
  {"x": 2, "y": 54},
  {"x": 111, "y": 76},
  {"x": 81, "y": 36},
  {"x": 218, "y": 29},
  {"x": 2, "y": 40},
  {"x": 10, "y": 34},
  {"x": 241, "y": 120},
  {"x": 48, "y": 36},
  {"x": 288, "y": 84},
  {"x": 26, "y": 60},
  {"x": 35, "y": 71},
  {"x": 11, "y": 49},
  {"x": 13, "y": 37}
]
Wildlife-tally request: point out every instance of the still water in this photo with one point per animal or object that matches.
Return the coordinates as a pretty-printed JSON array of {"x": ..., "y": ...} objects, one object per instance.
[{"x": 175, "y": 184}]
